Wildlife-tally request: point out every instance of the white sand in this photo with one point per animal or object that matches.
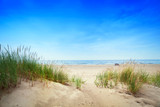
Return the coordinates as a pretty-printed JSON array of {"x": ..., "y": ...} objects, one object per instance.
[{"x": 57, "y": 95}]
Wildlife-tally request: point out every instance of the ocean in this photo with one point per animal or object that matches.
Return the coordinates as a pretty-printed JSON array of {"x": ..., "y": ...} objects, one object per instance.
[{"x": 98, "y": 62}]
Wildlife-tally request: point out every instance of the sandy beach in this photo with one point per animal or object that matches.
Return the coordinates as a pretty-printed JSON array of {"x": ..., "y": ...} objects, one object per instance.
[
  {"x": 51, "y": 94},
  {"x": 79, "y": 53}
]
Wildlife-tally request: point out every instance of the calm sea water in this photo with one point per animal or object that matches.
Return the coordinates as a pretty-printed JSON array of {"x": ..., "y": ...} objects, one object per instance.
[{"x": 98, "y": 62}]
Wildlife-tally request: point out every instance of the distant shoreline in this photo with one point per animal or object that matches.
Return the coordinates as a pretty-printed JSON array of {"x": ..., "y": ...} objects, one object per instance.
[{"x": 98, "y": 62}]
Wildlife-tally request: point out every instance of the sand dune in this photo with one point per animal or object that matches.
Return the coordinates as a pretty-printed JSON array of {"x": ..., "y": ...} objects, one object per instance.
[{"x": 58, "y": 95}]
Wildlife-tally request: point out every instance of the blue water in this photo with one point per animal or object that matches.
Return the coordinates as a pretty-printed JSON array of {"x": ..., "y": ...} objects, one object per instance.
[{"x": 98, "y": 62}]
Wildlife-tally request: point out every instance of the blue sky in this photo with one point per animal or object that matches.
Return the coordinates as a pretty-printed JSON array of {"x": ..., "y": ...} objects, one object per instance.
[{"x": 83, "y": 29}]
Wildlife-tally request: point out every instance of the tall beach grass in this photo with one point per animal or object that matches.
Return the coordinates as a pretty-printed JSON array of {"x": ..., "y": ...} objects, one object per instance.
[
  {"x": 129, "y": 76},
  {"x": 21, "y": 63},
  {"x": 155, "y": 79}
]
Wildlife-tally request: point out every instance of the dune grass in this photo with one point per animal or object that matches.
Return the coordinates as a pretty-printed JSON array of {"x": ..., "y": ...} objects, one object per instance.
[
  {"x": 133, "y": 80},
  {"x": 77, "y": 81},
  {"x": 125, "y": 75},
  {"x": 103, "y": 79},
  {"x": 155, "y": 79},
  {"x": 60, "y": 76},
  {"x": 143, "y": 76},
  {"x": 22, "y": 64},
  {"x": 129, "y": 76}
]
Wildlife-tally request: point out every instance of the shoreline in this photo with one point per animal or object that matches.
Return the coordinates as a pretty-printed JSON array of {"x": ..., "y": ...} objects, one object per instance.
[
  {"x": 105, "y": 64},
  {"x": 100, "y": 62}
]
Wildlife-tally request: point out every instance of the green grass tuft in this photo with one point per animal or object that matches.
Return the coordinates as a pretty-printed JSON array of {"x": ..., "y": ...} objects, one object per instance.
[
  {"x": 77, "y": 82},
  {"x": 60, "y": 76},
  {"x": 155, "y": 79},
  {"x": 102, "y": 79},
  {"x": 125, "y": 75}
]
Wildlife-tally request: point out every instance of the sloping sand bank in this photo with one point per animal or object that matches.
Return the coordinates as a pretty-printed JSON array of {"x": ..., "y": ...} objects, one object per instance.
[{"x": 57, "y": 95}]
